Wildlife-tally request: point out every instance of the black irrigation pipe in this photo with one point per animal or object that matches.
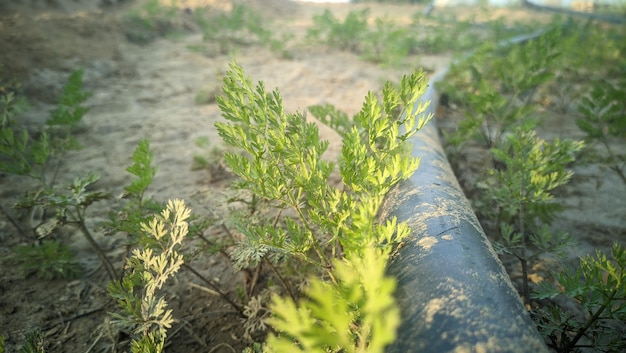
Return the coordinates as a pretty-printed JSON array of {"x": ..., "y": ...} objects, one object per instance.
[
  {"x": 453, "y": 292},
  {"x": 590, "y": 15}
]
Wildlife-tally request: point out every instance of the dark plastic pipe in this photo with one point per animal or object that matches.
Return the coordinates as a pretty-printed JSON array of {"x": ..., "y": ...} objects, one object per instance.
[
  {"x": 614, "y": 19},
  {"x": 454, "y": 294}
]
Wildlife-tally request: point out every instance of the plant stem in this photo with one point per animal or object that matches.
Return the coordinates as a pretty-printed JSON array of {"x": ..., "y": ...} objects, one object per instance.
[
  {"x": 324, "y": 262},
  {"x": 614, "y": 167},
  {"x": 105, "y": 261},
  {"x": 216, "y": 288},
  {"x": 523, "y": 259},
  {"x": 591, "y": 321},
  {"x": 281, "y": 279},
  {"x": 13, "y": 221},
  {"x": 210, "y": 243}
]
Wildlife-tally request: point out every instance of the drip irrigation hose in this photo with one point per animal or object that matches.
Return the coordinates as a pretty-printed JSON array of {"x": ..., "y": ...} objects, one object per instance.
[
  {"x": 613, "y": 19},
  {"x": 453, "y": 292}
]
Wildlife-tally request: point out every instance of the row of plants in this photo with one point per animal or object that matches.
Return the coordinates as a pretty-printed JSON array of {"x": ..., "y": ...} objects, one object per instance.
[
  {"x": 501, "y": 93},
  {"x": 224, "y": 32},
  {"x": 389, "y": 43},
  {"x": 377, "y": 39},
  {"x": 299, "y": 227}
]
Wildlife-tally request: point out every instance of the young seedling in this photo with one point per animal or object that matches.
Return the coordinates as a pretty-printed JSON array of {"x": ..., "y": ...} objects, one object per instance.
[
  {"x": 347, "y": 35},
  {"x": 239, "y": 27},
  {"x": 138, "y": 209},
  {"x": 496, "y": 88},
  {"x": 333, "y": 229},
  {"x": 604, "y": 119},
  {"x": 145, "y": 314},
  {"x": 520, "y": 194},
  {"x": 598, "y": 286},
  {"x": 40, "y": 157}
]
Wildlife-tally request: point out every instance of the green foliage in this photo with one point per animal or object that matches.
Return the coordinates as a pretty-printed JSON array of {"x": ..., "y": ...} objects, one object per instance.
[
  {"x": 388, "y": 43},
  {"x": 143, "y": 312},
  {"x": 348, "y": 34},
  {"x": 153, "y": 19},
  {"x": 593, "y": 51},
  {"x": 48, "y": 260},
  {"x": 518, "y": 195},
  {"x": 70, "y": 208},
  {"x": 496, "y": 89},
  {"x": 240, "y": 26},
  {"x": 142, "y": 169},
  {"x": 531, "y": 169},
  {"x": 445, "y": 35},
  {"x": 23, "y": 154},
  {"x": 70, "y": 110},
  {"x": 356, "y": 314},
  {"x": 34, "y": 342},
  {"x": 281, "y": 163},
  {"x": 604, "y": 112},
  {"x": 10, "y": 106},
  {"x": 604, "y": 118},
  {"x": 284, "y": 161},
  {"x": 331, "y": 116},
  {"x": 154, "y": 15},
  {"x": 137, "y": 208},
  {"x": 599, "y": 286}
]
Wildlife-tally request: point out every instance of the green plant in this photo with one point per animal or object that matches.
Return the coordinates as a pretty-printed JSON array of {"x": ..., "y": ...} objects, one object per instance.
[
  {"x": 242, "y": 26},
  {"x": 32, "y": 156},
  {"x": 206, "y": 95},
  {"x": 592, "y": 51},
  {"x": 11, "y": 104},
  {"x": 39, "y": 157},
  {"x": 282, "y": 164},
  {"x": 348, "y": 34},
  {"x": 496, "y": 88},
  {"x": 70, "y": 208},
  {"x": 49, "y": 260},
  {"x": 69, "y": 113},
  {"x": 599, "y": 287},
  {"x": 356, "y": 314},
  {"x": 151, "y": 20},
  {"x": 441, "y": 35},
  {"x": 531, "y": 169},
  {"x": 388, "y": 44},
  {"x": 518, "y": 195},
  {"x": 138, "y": 209},
  {"x": 604, "y": 118},
  {"x": 34, "y": 343},
  {"x": 143, "y": 312}
]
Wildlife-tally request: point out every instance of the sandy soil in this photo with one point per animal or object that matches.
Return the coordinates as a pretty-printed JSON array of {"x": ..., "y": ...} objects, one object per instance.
[{"x": 148, "y": 91}]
